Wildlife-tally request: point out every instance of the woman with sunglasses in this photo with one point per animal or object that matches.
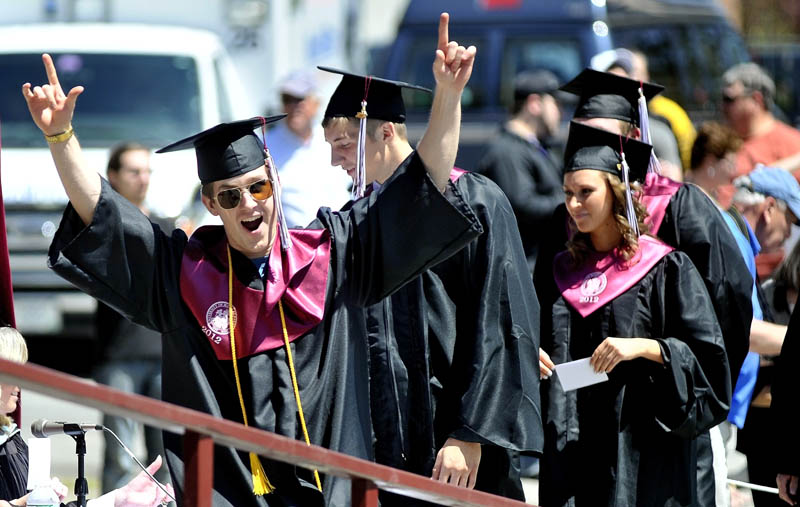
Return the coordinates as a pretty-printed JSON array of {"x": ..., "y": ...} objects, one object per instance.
[
  {"x": 261, "y": 324},
  {"x": 639, "y": 311}
]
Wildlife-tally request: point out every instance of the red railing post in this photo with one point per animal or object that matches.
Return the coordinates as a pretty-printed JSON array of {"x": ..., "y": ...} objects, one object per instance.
[
  {"x": 198, "y": 479},
  {"x": 364, "y": 493}
]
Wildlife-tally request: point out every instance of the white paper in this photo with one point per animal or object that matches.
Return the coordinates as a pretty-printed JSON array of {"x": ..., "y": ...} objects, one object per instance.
[
  {"x": 38, "y": 462},
  {"x": 577, "y": 374}
]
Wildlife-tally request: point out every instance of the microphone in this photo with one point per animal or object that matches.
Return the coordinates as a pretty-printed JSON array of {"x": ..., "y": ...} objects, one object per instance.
[{"x": 43, "y": 428}]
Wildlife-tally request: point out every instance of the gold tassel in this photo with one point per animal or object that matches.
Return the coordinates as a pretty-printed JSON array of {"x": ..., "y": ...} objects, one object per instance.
[{"x": 261, "y": 484}]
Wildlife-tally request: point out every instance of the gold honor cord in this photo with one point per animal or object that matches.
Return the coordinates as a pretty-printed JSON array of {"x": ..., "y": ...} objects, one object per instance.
[
  {"x": 295, "y": 388},
  {"x": 261, "y": 484}
]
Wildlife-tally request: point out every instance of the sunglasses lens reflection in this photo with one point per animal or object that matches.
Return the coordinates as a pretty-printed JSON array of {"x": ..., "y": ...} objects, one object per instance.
[
  {"x": 261, "y": 190},
  {"x": 230, "y": 198}
]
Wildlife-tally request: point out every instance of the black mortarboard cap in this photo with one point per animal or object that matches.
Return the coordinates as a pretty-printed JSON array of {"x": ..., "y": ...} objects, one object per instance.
[
  {"x": 226, "y": 150},
  {"x": 598, "y": 149},
  {"x": 383, "y": 96},
  {"x": 606, "y": 95}
]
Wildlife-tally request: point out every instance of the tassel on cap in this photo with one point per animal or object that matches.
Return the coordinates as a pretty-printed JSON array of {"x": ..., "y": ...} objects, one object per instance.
[
  {"x": 274, "y": 178},
  {"x": 630, "y": 210},
  {"x": 360, "y": 180},
  {"x": 654, "y": 166}
]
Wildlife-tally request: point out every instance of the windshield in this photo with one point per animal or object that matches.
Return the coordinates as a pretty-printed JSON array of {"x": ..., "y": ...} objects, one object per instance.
[
  {"x": 151, "y": 99},
  {"x": 688, "y": 59},
  {"x": 559, "y": 55},
  {"x": 416, "y": 69},
  {"x": 562, "y": 57}
]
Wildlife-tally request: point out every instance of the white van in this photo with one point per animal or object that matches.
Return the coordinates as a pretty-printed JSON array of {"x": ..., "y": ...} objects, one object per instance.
[{"x": 149, "y": 84}]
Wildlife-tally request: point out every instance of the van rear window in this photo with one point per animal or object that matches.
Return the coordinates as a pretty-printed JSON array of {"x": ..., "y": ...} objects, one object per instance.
[
  {"x": 520, "y": 54},
  {"x": 151, "y": 99},
  {"x": 417, "y": 70},
  {"x": 688, "y": 59}
]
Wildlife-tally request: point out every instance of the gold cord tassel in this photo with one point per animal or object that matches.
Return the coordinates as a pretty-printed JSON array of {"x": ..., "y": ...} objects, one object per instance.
[
  {"x": 261, "y": 484},
  {"x": 296, "y": 388}
]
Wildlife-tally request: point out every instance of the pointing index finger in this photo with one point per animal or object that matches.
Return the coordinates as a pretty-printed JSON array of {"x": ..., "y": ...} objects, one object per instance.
[
  {"x": 52, "y": 77},
  {"x": 444, "y": 37}
]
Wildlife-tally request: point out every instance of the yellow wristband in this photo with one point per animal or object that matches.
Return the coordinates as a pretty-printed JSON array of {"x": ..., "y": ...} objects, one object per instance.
[{"x": 60, "y": 138}]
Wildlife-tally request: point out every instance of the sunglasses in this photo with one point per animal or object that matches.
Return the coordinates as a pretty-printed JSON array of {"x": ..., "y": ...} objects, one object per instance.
[
  {"x": 231, "y": 197},
  {"x": 291, "y": 100},
  {"x": 730, "y": 99}
]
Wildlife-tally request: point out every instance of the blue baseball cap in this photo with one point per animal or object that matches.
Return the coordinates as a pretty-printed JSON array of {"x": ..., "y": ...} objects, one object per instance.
[{"x": 777, "y": 183}]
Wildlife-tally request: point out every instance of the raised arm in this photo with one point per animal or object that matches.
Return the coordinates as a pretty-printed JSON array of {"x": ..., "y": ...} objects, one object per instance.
[
  {"x": 52, "y": 112},
  {"x": 451, "y": 69}
]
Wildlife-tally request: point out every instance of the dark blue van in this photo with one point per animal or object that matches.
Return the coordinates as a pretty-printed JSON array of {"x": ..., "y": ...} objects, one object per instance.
[
  {"x": 511, "y": 36},
  {"x": 689, "y": 45},
  {"x": 689, "y": 42}
]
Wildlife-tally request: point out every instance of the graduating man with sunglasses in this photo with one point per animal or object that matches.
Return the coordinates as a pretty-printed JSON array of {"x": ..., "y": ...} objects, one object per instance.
[{"x": 240, "y": 364}]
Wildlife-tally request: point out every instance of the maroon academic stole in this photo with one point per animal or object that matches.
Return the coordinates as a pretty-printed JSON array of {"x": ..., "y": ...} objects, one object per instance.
[
  {"x": 656, "y": 194},
  {"x": 298, "y": 277},
  {"x": 603, "y": 277}
]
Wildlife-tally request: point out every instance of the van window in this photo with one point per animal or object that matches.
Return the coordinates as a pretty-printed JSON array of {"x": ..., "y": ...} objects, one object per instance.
[
  {"x": 782, "y": 63},
  {"x": 687, "y": 59},
  {"x": 417, "y": 70},
  {"x": 147, "y": 98},
  {"x": 561, "y": 57}
]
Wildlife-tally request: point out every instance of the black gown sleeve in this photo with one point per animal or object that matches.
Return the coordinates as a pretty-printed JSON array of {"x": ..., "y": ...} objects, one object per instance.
[
  {"x": 122, "y": 259},
  {"x": 693, "y": 225},
  {"x": 784, "y": 412},
  {"x": 693, "y": 389},
  {"x": 396, "y": 234},
  {"x": 491, "y": 391},
  {"x": 553, "y": 241}
]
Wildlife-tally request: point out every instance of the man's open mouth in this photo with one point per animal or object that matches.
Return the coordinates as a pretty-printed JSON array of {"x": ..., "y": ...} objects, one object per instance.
[{"x": 252, "y": 224}]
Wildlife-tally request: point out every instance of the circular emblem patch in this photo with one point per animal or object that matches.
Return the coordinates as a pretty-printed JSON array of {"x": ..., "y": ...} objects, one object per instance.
[
  {"x": 594, "y": 284},
  {"x": 217, "y": 317}
]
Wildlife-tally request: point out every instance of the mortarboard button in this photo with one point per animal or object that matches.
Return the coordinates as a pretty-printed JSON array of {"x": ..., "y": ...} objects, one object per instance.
[
  {"x": 383, "y": 96},
  {"x": 606, "y": 95},
  {"x": 598, "y": 149},
  {"x": 226, "y": 150}
]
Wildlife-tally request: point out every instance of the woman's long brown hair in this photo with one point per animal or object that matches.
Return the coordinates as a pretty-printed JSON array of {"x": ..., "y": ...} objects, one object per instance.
[{"x": 580, "y": 246}]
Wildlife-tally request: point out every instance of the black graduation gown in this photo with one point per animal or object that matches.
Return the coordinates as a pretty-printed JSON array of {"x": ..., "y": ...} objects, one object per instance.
[
  {"x": 13, "y": 468},
  {"x": 785, "y": 440},
  {"x": 454, "y": 354},
  {"x": 123, "y": 260},
  {"x": 632, "y": 441},
  {"x": 692, "y": 224}
]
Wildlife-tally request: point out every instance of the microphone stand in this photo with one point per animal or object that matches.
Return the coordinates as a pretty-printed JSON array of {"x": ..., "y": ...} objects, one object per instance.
[{"x": 81, "y": 486}]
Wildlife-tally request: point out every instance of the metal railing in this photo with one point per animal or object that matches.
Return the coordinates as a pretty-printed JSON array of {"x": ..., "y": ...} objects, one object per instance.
[{"x": 202, "y": 431}]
